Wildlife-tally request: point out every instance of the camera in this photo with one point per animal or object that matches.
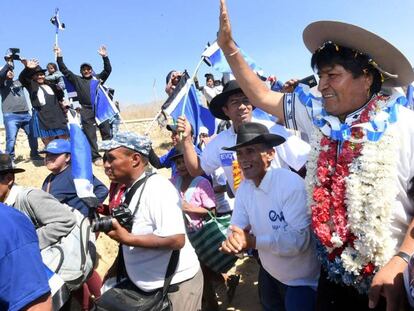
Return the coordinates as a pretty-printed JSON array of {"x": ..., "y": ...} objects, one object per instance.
[
  {"x": 122, "y": 213},
  {"x": 12, "y": 53}
]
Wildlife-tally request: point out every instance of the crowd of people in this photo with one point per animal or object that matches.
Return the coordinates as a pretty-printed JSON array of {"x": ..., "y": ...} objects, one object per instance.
[{"x": 321, "y": 198}]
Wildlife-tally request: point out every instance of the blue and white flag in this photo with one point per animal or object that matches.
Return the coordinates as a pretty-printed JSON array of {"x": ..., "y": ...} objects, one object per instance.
[
  {"x": 214, "y": 56},
  {"x": 103, "y": 105},
  {"x": 70, "y": 88},
  {"x": 55, "y": 21},
  {"x": 185, "y": 100},
  {"x": 81, "y": 158}
]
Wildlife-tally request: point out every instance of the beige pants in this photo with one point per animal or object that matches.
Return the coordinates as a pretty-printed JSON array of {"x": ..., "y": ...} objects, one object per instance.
[{"x": 188, "y": 297}]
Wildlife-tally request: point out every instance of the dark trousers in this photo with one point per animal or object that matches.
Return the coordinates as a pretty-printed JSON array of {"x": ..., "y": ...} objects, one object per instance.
[
  {"x": 89, "y": 128},
  {"x": 335, "y": 297}
]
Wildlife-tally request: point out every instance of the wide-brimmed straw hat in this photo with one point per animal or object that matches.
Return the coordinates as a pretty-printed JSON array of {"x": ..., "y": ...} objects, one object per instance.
[
  {"x": 255, "y": 133},
  {"x": 389, "y": 59},
  {"x": 217, "y": 103}
]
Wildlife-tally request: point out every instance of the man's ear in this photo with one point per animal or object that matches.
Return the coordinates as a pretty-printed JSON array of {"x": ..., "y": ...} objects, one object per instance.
[
  {"x": 10, "y": 179},
  {"x": 136, "y": 159},
  {"x": 225, "y": 110},
  {"x": 270, "y": 153}
]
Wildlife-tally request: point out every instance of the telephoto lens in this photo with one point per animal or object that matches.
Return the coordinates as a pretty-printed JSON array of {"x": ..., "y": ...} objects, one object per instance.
[{"x": 102, "y": 224}]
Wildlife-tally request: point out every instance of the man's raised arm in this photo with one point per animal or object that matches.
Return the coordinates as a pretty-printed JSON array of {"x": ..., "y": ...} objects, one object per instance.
[{"x": 259, "y": 95}]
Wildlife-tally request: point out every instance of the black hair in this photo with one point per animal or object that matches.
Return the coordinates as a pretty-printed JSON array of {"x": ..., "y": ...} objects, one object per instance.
[
  {"x": 357, "y": 63},
  {"x": 53, "y": 65},
  {"x": 209, "y": 76}
]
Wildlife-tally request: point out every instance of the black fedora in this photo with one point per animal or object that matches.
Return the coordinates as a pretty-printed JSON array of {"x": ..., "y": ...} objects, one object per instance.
[
  {"x": 217, "y": 103},
  {"x": 7, "y": 166},
  {"x": 255, "y": 133}
]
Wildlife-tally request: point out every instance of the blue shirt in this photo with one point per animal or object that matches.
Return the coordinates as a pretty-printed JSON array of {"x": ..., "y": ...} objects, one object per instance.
[
  {"x": 23, "y": 276},
  {"x": 63, "y": 189}
]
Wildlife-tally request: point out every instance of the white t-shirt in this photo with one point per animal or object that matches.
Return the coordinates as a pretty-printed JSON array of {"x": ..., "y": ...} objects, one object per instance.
[
  {"x": 297, "y": 117},
  {"x": 293, "y": 152},
  {"x": 160, "y": 214},
  {"x": 280, "y": 221}
]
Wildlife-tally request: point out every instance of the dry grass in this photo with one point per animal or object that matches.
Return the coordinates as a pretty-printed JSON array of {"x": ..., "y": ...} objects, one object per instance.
[{"x": 132, "y": 112}]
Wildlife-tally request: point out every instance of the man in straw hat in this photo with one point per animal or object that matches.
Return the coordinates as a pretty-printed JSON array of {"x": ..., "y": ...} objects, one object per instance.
[
  {"x": 361, "y": 160},
  {"x": 270, "y": 215}
]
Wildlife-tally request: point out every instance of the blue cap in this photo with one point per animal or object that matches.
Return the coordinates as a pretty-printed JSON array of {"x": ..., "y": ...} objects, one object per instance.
[
  {"x": 141, "y": 144},
  {"x": 57, "y": 146}
]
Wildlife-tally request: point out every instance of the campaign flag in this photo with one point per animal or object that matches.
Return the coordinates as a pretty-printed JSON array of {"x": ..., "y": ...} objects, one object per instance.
[
  {"x": 185, "y": 100},
  {"x": 55, "y": 21},
  {"x": 70, "y": 88},
  {"x": 81, "y": 158},
  {"x": 103, "y": 105},
  {"x": 214, "y": 56},
  {"x": 410, "y": 97}
]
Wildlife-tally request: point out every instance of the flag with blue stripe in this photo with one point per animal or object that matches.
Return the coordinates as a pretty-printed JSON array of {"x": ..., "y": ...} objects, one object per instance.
[
  {"x": 185, "y": 100},
  {"x": 104, "y": 107},
  {"x": 81, "y": 158},
  {"x": 214, "y": 56},
  {"x": 56, "y": 21}
]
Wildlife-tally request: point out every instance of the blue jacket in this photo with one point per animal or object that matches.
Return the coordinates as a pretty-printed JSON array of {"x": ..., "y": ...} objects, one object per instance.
[{"x": 63, "y": 188}]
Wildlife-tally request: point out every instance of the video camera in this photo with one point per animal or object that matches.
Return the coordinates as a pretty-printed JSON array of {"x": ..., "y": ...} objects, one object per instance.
[{"x": 13, "y": 54}]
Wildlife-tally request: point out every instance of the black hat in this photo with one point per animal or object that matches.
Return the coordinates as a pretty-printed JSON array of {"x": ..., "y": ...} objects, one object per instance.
[
  {"x": 6, "y": 164},
  {"x": 255, "y": 133},
  {"x": 38, "y": 69},
  {"x": 172, "y": 127},
  {"x": 85, "y": 65},
  {"x": 178, "y": 152},
  {"x": 217, "y": 103}
]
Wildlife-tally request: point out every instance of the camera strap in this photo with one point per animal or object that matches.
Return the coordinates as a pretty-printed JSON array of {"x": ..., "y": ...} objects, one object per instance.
[{"x": 130, "y": 193}]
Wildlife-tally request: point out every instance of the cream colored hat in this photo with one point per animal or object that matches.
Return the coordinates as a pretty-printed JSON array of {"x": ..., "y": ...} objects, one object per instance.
[{"x": 394, "y": 66}]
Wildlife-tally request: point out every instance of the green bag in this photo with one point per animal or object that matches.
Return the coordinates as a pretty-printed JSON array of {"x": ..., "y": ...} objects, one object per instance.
[{"x": 207, "y": 242}]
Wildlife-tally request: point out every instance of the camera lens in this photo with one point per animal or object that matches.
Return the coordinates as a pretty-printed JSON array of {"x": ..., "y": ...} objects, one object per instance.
[{"x": 103, "y": 224}]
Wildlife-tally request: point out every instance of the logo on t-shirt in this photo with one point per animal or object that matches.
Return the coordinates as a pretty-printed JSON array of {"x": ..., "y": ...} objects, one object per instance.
[
  {"x": 278, "y": 220},
  {"x": 226, "y": 158}
]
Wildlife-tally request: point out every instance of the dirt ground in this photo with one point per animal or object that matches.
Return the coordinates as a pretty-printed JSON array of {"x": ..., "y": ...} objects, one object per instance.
[{"x": 246, "y": 295}]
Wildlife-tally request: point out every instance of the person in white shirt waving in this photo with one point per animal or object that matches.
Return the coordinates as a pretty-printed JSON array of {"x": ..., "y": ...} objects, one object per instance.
[{"x": 271, "y": 215}]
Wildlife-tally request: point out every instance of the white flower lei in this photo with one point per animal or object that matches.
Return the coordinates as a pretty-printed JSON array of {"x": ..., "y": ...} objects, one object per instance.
[{"x": 371, "y": 190}]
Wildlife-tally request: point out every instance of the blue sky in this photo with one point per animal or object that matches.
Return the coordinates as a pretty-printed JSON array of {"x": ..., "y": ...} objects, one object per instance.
[{"x": 146, "y": 39}]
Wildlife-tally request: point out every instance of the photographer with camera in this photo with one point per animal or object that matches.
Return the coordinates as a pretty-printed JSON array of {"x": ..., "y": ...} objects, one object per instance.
[
  {"x": 14, "y": 107},
  {"x": 153, "y": 226}
]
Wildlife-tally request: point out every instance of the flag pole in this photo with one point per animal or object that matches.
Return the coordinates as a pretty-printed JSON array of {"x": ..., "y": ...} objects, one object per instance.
[
  {"x": 154, "y": 93},
  {"x": 191, "y": 79}
]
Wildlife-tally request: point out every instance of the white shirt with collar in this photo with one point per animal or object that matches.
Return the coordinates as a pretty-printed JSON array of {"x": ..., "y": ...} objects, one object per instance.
[
  {"x": 280, "y": 220},
  {"x": 292, "y": 153},
  {"x": 159, "y": 213},
  {"x": 298, "y": 118}
]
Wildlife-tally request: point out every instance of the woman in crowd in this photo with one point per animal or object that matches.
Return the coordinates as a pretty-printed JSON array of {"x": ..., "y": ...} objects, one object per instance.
[{"x": 49, "y": 121}]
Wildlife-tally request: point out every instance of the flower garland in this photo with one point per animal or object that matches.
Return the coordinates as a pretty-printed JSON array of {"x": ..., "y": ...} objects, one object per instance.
[{"x": 350, "y": 222}]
